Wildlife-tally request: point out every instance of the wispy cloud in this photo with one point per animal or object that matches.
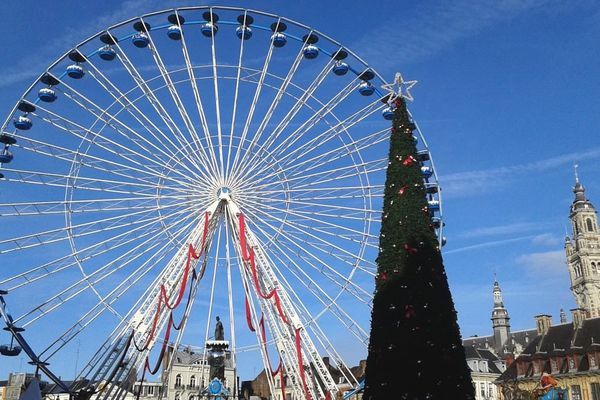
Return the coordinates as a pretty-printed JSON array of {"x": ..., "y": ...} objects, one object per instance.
[
  {"x": 499, "y": 230},
  {"x": 491, "y": 243},
  {"x": 469, "y": 183},
  {"x": 546, "y": 239},
  {"x": 33, "y": 65},
  {"x": 434, "y": 28},
  {"x": 549, "y": 262}
]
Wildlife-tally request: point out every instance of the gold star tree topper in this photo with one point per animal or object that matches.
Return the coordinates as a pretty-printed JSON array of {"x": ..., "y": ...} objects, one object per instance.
[{"x": 399, "y": 88}]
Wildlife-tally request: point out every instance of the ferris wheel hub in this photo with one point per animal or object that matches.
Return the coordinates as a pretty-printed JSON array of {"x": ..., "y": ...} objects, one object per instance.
[{"x": 224, "y": 193}]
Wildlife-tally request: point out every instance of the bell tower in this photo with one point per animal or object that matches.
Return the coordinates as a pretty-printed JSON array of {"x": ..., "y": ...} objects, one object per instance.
[
  {"x": 500, "y": 320},
  {"x": 583, "y": 252}
]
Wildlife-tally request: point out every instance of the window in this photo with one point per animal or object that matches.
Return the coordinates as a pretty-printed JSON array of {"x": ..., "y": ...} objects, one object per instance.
[
  {"x": 150, "y": 390},
  {"x": 193, "y": 381},
  {"x": 482, "y": 389},
  {"x": 571, "y": 363},
  {"x": 594, "y": 268},
  {"x": 592, "y": 359},
  {"x": 590, "y": 225},
  {"x": 575, "y": 392},
  {"x": 595, "y": 389},
  {"x": 178, "y": 380}
]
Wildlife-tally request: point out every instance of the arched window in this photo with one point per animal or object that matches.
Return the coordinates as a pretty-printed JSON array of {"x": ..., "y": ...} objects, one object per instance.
[
  {"x": 590, "y": 225},
  {"x": 176, "y": 396},
  {"x": 193, "y": 381},
  {"x": 178, "y": 380},
  {"x": 594, "y": 268}
]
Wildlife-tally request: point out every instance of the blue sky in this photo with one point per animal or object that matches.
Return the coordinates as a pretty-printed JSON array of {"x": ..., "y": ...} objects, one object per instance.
[{"x": 507, "y": 99}]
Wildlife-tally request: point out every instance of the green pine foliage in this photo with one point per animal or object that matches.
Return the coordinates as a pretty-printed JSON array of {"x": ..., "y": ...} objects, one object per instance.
[{"x": 415, "y": 349}]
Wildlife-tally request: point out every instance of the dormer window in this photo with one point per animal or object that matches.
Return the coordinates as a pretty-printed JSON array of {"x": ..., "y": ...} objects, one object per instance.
[
  {"x": 571, "y": 363},
  {"x": 592, "y": 359}
]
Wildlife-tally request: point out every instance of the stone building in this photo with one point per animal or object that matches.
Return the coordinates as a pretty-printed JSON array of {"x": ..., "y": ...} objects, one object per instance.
[
  {"x": 191, "y": 373},
  {"x": 583, "y": 253},
  {"x": 568, "y": 351}
]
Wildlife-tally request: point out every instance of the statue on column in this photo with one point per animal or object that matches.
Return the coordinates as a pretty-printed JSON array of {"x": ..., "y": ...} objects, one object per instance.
[{"x": 219, "y": 333}]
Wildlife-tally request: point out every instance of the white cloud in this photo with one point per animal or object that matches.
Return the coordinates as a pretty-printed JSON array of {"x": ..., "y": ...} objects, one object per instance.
[
  {"x": 436, "y": 27},
  {"x": 551, "y": 262},
  {"x": 499, "y": 230},
  {"x": 471, "y": 182},
  {"x": 491, "y": 243},
  {"x": 30, "y": 67},
  {"x": 546, "y": 239}
]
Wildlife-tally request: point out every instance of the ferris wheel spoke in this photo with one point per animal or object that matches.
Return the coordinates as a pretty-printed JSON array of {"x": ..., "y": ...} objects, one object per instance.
[
  {"x": 217, "y": 101},
  {"x": 252, "y": 108},
  {"x": 269, "y": 113},
  {"x": 325, "y": 227},
  {"x": 95, "y": 277},
  {"x": 142, "y": 119},
  {"x": 79, "y": 230},
  {"x": 325, "y": 268},
  {"x": 289, "y": 156},
  {"x": 350, "y": 150},
  {"x": 320, "y": 294},
  {"x": 93, "y": 162},
  {"x": 315, "y": 117},
  {"x": 289, "y": 116},
  {"x": 42, "y": 208},
  {"x": 85, "y": 183},
  {"x": 103, "y": 115},
  {"x": 95, "y": 250},
  {"x": 235, "y": 102},
  {"x": 197, "y": 96},
  {"x": 154, "y": 102},
  {"x": 179, "y": 103},
  {"x": 114, "y": 295},
  {"x": 82, "y": 133}
]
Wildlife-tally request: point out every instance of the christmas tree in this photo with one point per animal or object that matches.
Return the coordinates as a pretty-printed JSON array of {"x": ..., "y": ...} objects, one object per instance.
[{"x": 415, "y": 349}]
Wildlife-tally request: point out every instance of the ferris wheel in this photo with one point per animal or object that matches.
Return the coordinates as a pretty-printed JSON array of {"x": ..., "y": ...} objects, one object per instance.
[{"x": 189, "y": 163}]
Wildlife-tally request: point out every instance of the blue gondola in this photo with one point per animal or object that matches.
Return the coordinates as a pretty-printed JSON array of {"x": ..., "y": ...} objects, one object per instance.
[
  {"x": 279, "y": 39},
  {"x": 75, "y": 71},
  {"x": 433, "y": 205},
  {"x": 46, "y": 94},
  {"x": 426, "y": 171},
  {"x": 388, "y": 113},
  {"x": 444, "y": 240},
  {"x": 107, "y": 53},
  {"x": 208, "y": 29},
  {"x": 5, "y": 156},
  {"x": 423, "y": 155},
  {"x": 10, "y": 351},
  {"x": 431, "y": 188},
  {"x": 174, "y": 32},
  {"x": 23, "y": 123},
  {"x": 140, "y": 40},
  {"x": 311, "y": 51},
  {"x": 415, "y": 139},
  {"x": 436, "y": 222},
  {"x": 366, "y": 89},
  {"x": 340, "y": 68},
  {"x": 243, "y": 32}
]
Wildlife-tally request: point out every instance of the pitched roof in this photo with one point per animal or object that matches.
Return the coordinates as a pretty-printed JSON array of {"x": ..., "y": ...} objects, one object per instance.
[{"x": 560, "y": 340}]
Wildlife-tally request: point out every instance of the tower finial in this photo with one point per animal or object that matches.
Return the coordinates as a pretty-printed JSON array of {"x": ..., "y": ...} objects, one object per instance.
[{"x": 575, "y": 166}]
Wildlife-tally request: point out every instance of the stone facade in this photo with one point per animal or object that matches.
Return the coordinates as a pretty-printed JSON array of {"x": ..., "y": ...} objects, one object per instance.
[{"x": 583, "y": 253}]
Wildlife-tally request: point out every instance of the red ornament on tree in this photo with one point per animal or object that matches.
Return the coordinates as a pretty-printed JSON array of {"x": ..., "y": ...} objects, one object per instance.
[
  {"x": 408, "y": 161},
  {"x": 409, "y": 311},
  {"x": 409, "y": 249}
]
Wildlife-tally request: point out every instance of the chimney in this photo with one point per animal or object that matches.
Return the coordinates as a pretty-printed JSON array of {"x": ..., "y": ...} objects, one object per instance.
[
  {"x": 543, "y": 323},
  {"x": 578, "y": 317}
]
